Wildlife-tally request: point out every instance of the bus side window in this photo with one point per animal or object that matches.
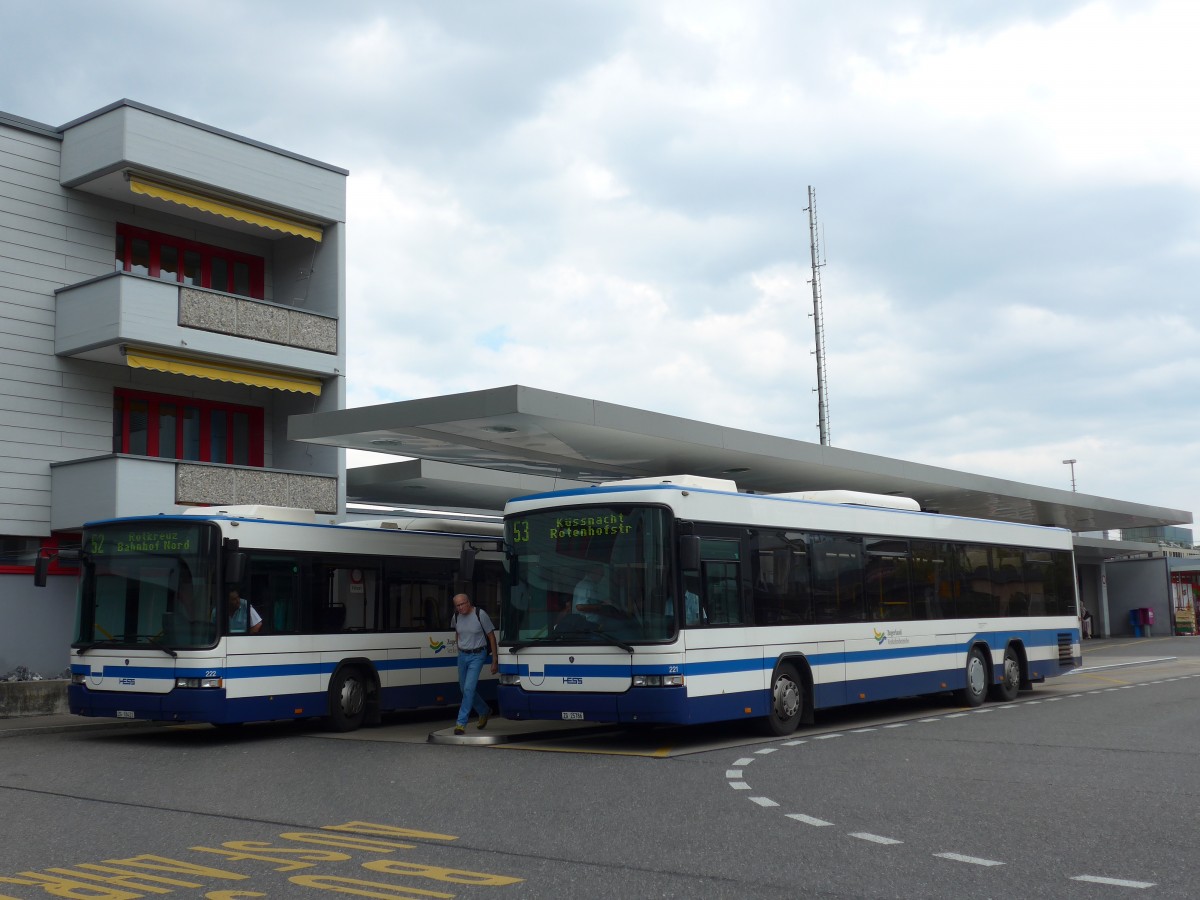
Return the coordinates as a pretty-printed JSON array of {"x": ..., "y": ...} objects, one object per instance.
[
  {"x": 414, "y": 606},
  {"x": 272, "y": 587},
  {"x": 354, "y": 588}
]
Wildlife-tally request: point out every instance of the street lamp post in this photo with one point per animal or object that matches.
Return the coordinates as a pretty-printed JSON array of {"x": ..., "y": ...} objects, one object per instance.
[{"x": 1071, "y": 463}]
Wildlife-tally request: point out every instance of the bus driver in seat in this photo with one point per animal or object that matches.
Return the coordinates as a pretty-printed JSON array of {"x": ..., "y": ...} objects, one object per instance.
[{"x": 238, "y": 610}]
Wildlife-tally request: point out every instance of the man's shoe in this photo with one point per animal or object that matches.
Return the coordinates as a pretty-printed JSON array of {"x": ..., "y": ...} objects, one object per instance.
[
  {"x": 458, "y": 729},
  {"x": 483, "y": 720}
]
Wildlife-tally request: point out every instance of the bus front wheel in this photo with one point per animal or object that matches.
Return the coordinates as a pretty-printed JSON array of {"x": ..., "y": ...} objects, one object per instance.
[
  {"x": 977, "y": 679},
  {"x": 787, "y": 701},
  {"x": 347, "y": 699}
]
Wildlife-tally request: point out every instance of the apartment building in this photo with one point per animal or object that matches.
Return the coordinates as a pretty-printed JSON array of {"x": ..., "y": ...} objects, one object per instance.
[{"x": 170, "y": 293}]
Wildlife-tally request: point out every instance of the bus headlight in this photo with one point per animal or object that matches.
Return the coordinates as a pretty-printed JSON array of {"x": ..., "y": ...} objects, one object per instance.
[
  {"x": 198, "y": 682},
  {"x": 509, "y": 678},
  {"x": 78, "y": 678},
  {"x": 657, "y": 680}
]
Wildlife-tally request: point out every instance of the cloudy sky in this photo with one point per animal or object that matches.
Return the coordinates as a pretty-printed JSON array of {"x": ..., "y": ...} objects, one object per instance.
[{"x": 609, "y": 199}]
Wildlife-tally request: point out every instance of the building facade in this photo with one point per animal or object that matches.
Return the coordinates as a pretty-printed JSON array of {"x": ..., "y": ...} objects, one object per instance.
[{"x": 170, "y": 293}]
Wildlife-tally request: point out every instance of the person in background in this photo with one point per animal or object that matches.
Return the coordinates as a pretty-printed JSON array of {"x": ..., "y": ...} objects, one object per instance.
[
  {"x": 589, "y": 593},
  {"x": 243, "y": 618},
  {"x": 476, "y": 637}
]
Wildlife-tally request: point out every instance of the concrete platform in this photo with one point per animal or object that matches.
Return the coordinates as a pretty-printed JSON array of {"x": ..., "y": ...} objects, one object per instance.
[{"x": 506, "y": 731}]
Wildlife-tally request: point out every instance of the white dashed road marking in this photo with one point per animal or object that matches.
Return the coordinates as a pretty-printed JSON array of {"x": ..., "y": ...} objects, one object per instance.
[
  {"x": 973, "y": 860},
  {"x": 737, "y": 773},
  {"x": 1115, "y": 882},
  {"x": 874, "y": 838},
  {"x": 808, "y": 820}
]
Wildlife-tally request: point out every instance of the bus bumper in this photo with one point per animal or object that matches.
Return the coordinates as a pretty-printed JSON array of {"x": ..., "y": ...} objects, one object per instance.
[{"x": 198, "y": 705}]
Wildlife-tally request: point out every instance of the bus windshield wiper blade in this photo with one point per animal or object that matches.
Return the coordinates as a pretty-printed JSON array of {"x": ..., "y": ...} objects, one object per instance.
[
  {"x": 153, "y": 641},
  {"x": 615, "y": 641}
]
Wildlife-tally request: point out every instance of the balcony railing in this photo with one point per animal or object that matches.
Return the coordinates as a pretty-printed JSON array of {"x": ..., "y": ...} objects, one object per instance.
[
  {"x": 256, "y": 319},
  {"x": 95, "y": 318},
  {"x": 105, "y": 487}
]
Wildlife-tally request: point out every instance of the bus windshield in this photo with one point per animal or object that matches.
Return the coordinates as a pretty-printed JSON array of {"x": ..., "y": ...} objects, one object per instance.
[
  {"x": 149, "y": 584},
  {"x": 593, "y": 574}
]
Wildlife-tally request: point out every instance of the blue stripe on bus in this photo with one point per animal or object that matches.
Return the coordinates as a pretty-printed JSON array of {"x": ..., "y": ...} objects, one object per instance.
[
  {"x": 997, "y": 641},
  {"x": 260, "y": 671}
]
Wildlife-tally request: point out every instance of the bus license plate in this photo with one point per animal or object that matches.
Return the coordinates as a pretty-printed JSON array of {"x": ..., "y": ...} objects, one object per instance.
[
  {"x": 573, "y": 716},
  {"x": 125, "y": 714}
]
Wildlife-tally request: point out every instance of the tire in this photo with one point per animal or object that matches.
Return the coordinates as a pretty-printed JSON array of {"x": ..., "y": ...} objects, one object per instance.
[
  {"x": 787, "y": 702},
  {"x": 347, "y": 699},
  {"x": 976, "y": 687},
  {"x": 1009, "y": 685}
]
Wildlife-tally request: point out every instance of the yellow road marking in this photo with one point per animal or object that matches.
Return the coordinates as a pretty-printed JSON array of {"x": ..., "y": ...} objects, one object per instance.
[{"x": 1102, "y": 678}]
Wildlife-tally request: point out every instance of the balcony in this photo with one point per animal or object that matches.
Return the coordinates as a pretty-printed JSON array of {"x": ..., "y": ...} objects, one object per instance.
[
  {"x": 102, "y": 149},
  {"x": 100, "y": 318},
  {"x": 105, "y": 487}
]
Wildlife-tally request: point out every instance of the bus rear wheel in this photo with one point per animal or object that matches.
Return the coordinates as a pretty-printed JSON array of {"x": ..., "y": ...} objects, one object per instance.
[
  {"x": 1009, "y": 686},
  {"x": 347, "y": 699},
  {"x": 977, "y": 679},
  {"x": 787, "y": 701}
]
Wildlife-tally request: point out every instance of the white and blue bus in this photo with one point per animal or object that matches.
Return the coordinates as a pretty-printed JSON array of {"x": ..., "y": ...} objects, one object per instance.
[
  {"x": 348, "y": 620},
  {"x": 680, "y": 600}
]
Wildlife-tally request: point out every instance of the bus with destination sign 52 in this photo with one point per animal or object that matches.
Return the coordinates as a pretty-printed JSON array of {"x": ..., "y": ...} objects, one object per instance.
[{"x": 254, "y": 613}]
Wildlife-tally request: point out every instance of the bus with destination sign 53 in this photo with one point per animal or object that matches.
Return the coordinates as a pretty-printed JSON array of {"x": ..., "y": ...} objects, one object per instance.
[{"x": 682, "y": 600}]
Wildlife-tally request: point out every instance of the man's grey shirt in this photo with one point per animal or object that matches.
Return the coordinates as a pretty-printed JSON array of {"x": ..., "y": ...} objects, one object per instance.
[{"x": 470, "y": 636}]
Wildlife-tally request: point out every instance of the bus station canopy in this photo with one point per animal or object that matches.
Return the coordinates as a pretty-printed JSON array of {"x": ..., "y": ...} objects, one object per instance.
[{"x": 478, "y": 449}]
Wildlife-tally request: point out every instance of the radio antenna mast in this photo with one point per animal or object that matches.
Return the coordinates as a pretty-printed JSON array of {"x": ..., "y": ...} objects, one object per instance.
[{"x": 818, "y": 314}]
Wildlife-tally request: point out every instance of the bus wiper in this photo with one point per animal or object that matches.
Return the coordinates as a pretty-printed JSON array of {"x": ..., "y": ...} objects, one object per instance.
[
  {"x": 592, "y": 631},
  {"x": 82, "y": 648},
  {"x": 153, "y": 641},
  {"x": 615, "y": 641}
]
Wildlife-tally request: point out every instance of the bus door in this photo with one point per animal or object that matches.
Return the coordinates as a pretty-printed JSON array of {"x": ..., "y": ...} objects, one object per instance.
[
  {"x": 719, "y": 660},
  {"x": 418, "y": 611},
  {"x": 275, "y": 660}
]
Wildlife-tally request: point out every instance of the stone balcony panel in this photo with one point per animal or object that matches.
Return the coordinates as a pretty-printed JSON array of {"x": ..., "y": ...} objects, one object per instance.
[{"x": 98, "y": 317}]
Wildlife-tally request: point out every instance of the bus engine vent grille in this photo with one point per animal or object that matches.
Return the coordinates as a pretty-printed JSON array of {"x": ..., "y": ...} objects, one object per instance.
[{"x": 1065, "y": 657}]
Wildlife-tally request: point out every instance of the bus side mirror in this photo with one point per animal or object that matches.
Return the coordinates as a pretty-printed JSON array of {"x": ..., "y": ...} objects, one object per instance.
[
  {"x": 41, "y": 568},
  {"x": 466, "y": 564},
  {"x": 689, "y": 552},
  {"x": 235, "y": 567}
]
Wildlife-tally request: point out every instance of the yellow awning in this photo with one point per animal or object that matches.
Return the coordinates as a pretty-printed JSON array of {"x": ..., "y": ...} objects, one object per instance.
[
  {"x": 195, "y": 200},
  {"x": 183, "y": 365}
]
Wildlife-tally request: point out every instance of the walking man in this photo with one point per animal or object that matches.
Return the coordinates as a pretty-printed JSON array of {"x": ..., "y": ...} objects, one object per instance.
[{"x": 476, "y": 638}]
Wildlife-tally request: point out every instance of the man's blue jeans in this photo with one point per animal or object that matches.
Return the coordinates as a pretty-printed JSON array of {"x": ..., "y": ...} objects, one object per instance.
[{"x": 469, "y": 667}]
